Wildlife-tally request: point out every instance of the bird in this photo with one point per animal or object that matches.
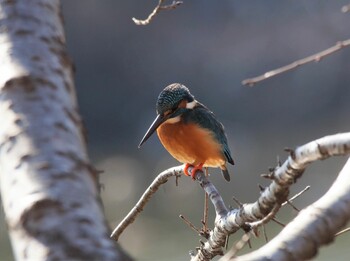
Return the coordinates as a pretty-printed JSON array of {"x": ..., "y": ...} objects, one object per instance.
[{"x": 189, "y": 131}]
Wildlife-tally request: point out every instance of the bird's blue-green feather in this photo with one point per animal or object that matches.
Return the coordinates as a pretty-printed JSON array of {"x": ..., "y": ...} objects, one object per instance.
[{"x": 202, "y": 116}]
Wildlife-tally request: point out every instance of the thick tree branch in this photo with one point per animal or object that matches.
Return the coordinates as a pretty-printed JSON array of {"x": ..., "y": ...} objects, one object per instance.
[
  {"x": 315, "y": 226},
  {"x": 48, "y": 187},
  {"x": 312, "y": 58},
  {"x": 283, "y": 177}
]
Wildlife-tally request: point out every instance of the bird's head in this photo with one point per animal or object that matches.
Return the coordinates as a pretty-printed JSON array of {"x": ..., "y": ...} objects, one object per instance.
[{"x": 174, "y": 100}]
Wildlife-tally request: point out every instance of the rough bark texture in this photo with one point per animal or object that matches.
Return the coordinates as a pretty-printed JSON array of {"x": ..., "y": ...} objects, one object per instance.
[
  {"x": 48, "y": 188},
  {"x": 313, "y": 227},
  {"x": 276, "y": 193}
]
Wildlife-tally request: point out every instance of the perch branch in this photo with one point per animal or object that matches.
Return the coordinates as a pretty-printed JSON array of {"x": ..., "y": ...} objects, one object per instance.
[
  {"x": 228, "y": 222},
  {"x": 313, "y": 227},
  {"x": 312, "y": 58},
  {"x": 277, "y": 193},
  {"x": 156, "y": 10},
  {"x": 135, "y": 211}
]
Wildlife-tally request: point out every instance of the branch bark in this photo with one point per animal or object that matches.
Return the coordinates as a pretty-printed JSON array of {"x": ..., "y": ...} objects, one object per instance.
[
  {"x": 228, "y": 222},
  {"x": 313, "y": 227},
  {"x": 48, "y": 187},
  {"x": 283, "y": 177},
  {"x": 140, "y": 205}
]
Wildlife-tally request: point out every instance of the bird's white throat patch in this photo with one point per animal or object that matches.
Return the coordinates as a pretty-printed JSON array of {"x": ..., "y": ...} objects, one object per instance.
[{"x": 190, "y": 105}]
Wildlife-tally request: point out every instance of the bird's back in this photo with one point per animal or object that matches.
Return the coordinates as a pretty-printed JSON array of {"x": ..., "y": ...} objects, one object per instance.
[{"x": 206, "y": 120}]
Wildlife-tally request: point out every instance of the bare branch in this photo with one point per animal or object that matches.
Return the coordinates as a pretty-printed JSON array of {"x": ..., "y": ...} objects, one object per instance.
[
  {"x": 238, "y": 203},
  {"x": 206, "y": 208},
  {"x": 265, "y": 234},
  {"x": 289, "y": 201},
  {"x": 313, "y": 227},
  {"x": 276, "y": 193},
  {"x": 158, "y": 181},
  {"x": 156, "y": 10},
  {"x": 237, "y": 247},
  {"x": 278, "y": 222},
  {"x": 312, "y": 58},
  {"x": 189, "y": 223},
  {"x": 246, "y": 237},
  {"x": 230, "y": 221},
  {"x": 342, "y": 232},
  {"x": 296, "y": 195}
]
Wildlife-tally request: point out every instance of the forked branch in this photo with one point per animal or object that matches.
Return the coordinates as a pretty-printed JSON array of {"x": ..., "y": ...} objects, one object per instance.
[
  {"x": 315, "y": 226},
  {"x": 283, "y": 177},
  {"x": 230, "y": 221},
  {"x": 156, "y": 10}
]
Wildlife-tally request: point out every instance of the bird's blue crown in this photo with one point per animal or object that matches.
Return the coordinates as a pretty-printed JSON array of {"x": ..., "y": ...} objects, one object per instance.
[{"x": 171, "y": 96}]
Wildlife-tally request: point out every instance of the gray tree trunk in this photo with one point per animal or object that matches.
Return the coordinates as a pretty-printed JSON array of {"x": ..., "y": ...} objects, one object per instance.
[{"x": 48, "y": 187}]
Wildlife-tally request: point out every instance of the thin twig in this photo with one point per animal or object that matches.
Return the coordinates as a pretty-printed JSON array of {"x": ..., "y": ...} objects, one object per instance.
[
  {"x": 156, "y": 10},
  {"x": 206, "y": 207},
  {"x": 342, "y": 231},
  {"x": 239, "y": 245},
  {"x": 239, "y": 204},
  {"x": 278, "y": 222},
  {"x": 296, "y": 195},
  {"x": 265, "y": 234},
  {"x": 226, "y": 242},
  {"x": 189, "y": 223},
  {"x": 312, "y": 58},
  {"x": 292, "y": 205}
]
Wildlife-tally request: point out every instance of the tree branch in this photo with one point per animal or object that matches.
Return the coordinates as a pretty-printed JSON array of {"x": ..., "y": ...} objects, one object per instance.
[
  {"x": 283, "y": 177},
  {"x": 313, "y": 58},
  {"x": 48, "y": 187},
  {"x": 230, "y": 221},
  {"x": 156, "y": 10},
  {"x": 138, "y": 208},
  {"x": 313, "y": 227}
]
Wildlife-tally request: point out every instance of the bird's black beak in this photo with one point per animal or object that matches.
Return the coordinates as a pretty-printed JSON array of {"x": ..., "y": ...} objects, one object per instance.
[{"x": 156, "y": 123}]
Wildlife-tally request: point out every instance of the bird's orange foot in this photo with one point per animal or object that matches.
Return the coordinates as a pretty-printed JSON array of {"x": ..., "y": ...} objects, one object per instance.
[{"x": 194, "y": 170}]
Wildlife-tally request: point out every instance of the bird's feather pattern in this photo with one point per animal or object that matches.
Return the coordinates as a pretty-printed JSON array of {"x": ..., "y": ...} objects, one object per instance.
[{"x": 205, "y": 118}]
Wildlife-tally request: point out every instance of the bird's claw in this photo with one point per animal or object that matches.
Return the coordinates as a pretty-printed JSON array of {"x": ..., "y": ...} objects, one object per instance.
[{"x": 194, "y": 170}]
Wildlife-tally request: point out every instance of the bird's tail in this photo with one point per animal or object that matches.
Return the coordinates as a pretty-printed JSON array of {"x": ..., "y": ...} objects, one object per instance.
[{"x": 225, "y": 173}]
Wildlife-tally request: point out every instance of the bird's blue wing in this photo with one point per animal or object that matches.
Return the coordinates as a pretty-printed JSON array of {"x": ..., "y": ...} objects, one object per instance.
[{"x": 202, "y": 116}]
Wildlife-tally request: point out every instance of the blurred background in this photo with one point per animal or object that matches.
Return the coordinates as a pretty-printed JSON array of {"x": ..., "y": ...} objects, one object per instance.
[{"x": 210, "y": 46}]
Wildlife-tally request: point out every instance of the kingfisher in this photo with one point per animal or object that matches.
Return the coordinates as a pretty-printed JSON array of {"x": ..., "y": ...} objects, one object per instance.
[{"x": 189, "y": 131}]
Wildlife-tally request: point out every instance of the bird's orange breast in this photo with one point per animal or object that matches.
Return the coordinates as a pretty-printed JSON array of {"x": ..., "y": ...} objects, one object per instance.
[{"x": 188, "y": 143}]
